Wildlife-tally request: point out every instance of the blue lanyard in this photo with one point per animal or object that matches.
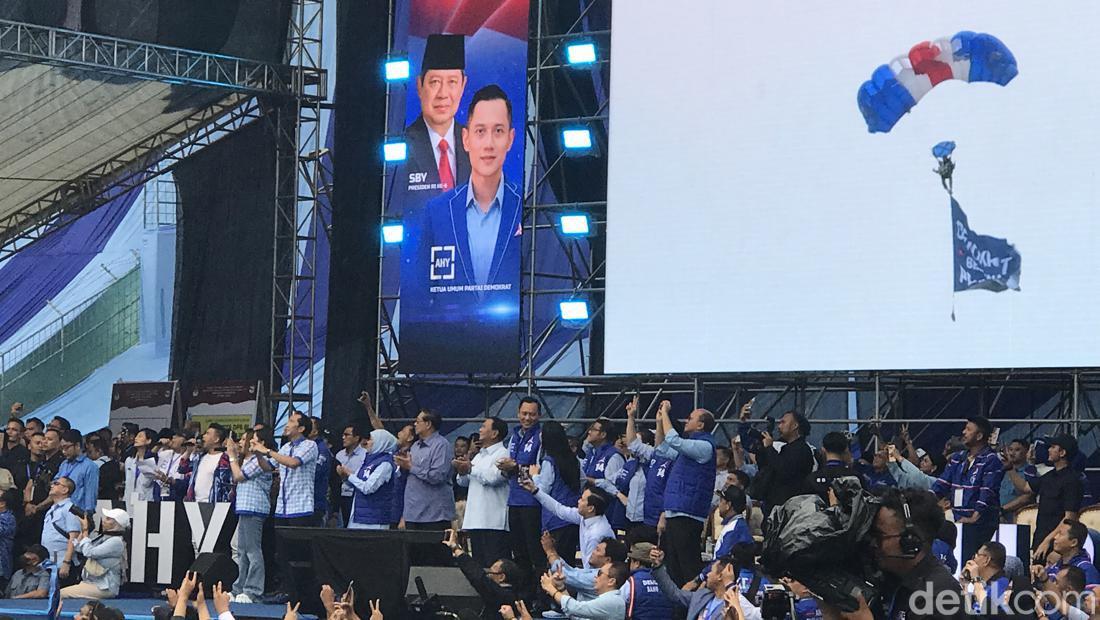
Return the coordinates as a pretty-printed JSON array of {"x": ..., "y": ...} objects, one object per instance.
[{"x": 65, "y": 472}]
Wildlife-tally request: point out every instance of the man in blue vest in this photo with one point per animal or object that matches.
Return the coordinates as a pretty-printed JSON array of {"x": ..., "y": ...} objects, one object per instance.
[
  {"x": 524, "y": 511},
  {"x": 602, "y": 464},
  {"x": 656, "y": 476},
  {"x": 644, "y": 600},
  {"x": 688, "y": 491}
]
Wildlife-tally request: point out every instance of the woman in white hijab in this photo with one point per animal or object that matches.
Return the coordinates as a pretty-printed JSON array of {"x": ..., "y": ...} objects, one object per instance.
[{"x": 372, "y": 504}]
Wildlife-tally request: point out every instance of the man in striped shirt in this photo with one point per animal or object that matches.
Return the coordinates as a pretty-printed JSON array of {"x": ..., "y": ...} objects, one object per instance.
[
  {"x": 253, "y": 504},
  {"x": 971, "y": 486},
  {"x": 297, "y": 462}
]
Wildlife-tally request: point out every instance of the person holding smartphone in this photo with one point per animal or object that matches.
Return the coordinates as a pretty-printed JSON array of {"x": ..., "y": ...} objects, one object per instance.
[
  {"x": 103, "y": 553},
  {"x": 495, "y": 586}
]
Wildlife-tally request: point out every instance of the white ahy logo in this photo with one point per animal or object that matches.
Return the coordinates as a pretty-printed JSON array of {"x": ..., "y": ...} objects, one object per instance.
[{"x": 443, "y": 262}]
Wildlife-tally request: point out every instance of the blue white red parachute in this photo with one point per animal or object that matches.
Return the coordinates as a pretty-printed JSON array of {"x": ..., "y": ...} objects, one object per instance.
[{"x": 896, "y": 87}]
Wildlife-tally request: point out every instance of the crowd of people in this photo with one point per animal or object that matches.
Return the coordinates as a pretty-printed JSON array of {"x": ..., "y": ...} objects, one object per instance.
[{"x": 624, "y": 522}]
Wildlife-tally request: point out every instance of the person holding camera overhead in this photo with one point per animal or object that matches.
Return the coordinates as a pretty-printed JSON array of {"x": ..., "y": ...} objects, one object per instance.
[
  {"x": 689, "y": 488},
  {"x": 783, "y": 472},
  {"x": 901, "y": 535},
  {"x": 103, "y": 554}
]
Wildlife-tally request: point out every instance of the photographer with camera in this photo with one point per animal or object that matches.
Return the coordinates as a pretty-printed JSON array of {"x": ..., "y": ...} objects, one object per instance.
[
  {"x": 103, "y": 553},
  {"x": 917, "y": 584},
  {"x": 838, "y": 464},
  {"x": 783, "y": 473},
  {"x": 497, "y": 586}
]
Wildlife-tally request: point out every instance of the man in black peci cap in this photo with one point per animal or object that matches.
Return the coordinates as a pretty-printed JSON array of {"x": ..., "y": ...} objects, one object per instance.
[
  {"x": 1059, "y": 492},
  {"x": 437, "y": 160}
]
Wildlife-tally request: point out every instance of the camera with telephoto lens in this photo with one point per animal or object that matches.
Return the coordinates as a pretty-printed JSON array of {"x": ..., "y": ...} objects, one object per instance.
[
  {"x": 752, "y": 436},
  {"x": 777, "y": 603}
]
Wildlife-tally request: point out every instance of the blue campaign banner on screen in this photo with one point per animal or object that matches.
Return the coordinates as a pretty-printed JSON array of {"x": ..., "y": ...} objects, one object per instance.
[{"x": 459, "y": 192}]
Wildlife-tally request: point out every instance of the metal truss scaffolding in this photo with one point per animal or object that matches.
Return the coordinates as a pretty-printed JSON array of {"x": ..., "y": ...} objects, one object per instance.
[
  {"x": 108, "y": 55},
  {"x": 298, "y": 178},
  {"x": 288, "y": 95},
  {"x": 240, "y": 79},
  {"x": 146, "y": 160}
]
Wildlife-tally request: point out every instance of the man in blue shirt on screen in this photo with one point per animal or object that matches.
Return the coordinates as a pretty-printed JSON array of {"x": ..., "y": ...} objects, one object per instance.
[
  {"x": 463, "y": 287},
  {"x": 475, "y": 227}
]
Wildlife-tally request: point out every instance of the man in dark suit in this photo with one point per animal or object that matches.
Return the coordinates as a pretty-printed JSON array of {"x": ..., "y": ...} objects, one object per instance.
[
  {"x": 463, "y": 286},
  {"x": 437, "y": 160}
]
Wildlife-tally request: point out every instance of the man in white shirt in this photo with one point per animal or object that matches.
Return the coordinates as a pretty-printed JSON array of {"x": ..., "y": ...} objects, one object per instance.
[
  {"x": 212, "y": 476},
  {"x": 608, "y": 604},
  {"x": 168, "y": 466},
  {"x": 486, "y": 518},
  {"x": 588, "y": 515},
  {"x": 140, "y": 469},
  {"x": 351, "y": 457}
]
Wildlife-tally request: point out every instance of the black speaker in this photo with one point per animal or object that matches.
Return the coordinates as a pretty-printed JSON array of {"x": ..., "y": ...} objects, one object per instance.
[{"x": 215, "y": 567}]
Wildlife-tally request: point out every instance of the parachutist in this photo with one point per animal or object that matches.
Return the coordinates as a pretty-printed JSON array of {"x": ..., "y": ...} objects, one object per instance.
[{"x": 945, "y": 170}]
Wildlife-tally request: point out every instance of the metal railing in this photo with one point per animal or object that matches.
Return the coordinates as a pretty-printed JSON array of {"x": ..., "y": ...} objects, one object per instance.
[
  {"x": 45, "y": 364},
  {"x": 160, "y": 202}
]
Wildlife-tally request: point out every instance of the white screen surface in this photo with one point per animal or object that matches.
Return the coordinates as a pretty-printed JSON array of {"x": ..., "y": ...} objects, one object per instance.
[{"x": 756, "y": 225}]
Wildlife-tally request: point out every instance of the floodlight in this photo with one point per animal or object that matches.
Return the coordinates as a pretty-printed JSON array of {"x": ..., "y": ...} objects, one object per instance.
[
  {"x": 393, "y": 233},
  {"x": 576, "y": 139},
  {"x": 397, "y": 69},
  {"x": 574, "y": 224},
  {"x": 573, "y": 310},
  {"x": 395, "y": 151},
  {"x": 580, "y": 53}
]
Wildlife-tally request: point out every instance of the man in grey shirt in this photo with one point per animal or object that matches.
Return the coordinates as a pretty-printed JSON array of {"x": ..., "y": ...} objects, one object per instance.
[
  {"x": 429, "y": 497},
  {"x": 31, "y": 581}
]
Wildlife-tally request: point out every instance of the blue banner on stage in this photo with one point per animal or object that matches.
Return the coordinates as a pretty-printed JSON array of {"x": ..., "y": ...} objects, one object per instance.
[
  {"x": 459, "y": 192},
  {"x": 981, "y": 261}
]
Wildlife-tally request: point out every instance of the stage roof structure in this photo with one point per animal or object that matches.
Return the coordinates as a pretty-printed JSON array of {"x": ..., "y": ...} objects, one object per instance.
[{"x": 85, "y": 116}]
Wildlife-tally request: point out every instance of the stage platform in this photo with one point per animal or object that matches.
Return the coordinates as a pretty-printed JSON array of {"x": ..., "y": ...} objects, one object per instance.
[{"x": 135, "y": 609}]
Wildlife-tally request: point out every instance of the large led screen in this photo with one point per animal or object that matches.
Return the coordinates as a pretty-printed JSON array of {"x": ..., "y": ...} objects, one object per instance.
[{"x": 852, "y": 186}]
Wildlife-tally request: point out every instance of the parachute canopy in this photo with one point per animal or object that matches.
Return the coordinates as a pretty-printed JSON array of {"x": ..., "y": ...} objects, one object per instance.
[{"x": 896, "y": 87}]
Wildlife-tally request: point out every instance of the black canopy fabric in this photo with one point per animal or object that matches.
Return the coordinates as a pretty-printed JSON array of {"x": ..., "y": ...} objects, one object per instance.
[{"x": 221, "y": 327}]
